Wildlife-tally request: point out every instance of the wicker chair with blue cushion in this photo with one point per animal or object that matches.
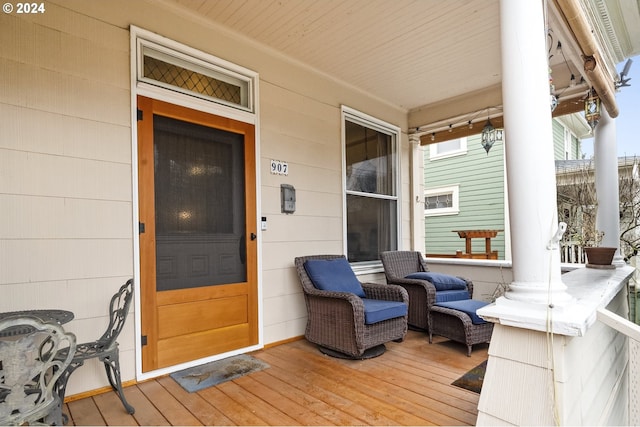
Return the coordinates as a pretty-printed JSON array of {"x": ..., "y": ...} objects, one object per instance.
[
  {"x": 409, "y": 270},
  {"x": 347, "y": 318}
]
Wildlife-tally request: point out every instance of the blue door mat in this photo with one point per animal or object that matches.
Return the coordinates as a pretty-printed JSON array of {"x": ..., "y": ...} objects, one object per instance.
[{"x": 214, "y": 373}]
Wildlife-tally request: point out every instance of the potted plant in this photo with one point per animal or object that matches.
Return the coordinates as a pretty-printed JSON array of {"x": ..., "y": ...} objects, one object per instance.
[
  {"x": 599, "y": 256},
  {"x": 589, "y": 239}
]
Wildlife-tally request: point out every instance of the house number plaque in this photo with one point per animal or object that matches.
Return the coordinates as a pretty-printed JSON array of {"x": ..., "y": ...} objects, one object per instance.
[{"x": 279, "y": 168}]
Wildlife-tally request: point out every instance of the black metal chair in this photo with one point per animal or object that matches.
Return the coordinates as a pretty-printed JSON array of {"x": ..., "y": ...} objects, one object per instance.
[
  {"x": 29, "y": 370},
  {"x": 106, "y": 347}
]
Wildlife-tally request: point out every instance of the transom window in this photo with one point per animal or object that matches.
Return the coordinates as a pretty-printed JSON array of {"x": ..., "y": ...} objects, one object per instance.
[
  {"x": 371, "y": 187},
  {"x": 180, "y": 72}
]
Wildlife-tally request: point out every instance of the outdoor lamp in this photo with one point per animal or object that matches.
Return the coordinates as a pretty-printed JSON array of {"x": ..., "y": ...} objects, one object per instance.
[
  {"x": 490, "y": 135},
  {"x": 592, "y": 109}
]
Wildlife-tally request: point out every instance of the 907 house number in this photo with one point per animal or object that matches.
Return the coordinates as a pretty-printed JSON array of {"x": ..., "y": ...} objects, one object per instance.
[
  {"x": 30, "y": 8},
  {"x": 279, "y": 168}
]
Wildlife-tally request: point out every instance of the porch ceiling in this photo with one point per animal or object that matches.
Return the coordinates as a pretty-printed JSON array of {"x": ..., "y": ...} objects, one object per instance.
[
  {"x": 409, "y": 53},
  {"x": 415, "y": 54}
]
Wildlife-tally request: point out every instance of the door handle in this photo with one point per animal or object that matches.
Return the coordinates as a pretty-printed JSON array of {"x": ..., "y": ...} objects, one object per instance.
[{"x": 253, "y": 236}]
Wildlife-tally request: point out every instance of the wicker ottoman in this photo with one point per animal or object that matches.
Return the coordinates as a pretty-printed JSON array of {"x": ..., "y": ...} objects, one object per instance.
[{"x": 448, "y": 320}]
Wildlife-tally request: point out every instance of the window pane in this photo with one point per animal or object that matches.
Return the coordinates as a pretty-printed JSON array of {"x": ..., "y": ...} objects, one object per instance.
[
  {"x": 191, "y": 80},
  {"x": 169, "y": 71},
  {"x": 369, "y": 157},
  {"x": 446, "y": 146},
  {"x": 439, "y": 201},
  {"x": 371, "y": 225}
]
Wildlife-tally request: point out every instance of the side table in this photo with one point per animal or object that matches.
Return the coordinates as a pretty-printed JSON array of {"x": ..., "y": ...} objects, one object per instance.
[{"x": 46, "y": 315}]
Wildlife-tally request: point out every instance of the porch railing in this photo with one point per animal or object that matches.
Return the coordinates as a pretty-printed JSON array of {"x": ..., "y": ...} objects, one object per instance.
[
  {"x": 632, "y": 331},
  {"x": 572, "y": 253}
]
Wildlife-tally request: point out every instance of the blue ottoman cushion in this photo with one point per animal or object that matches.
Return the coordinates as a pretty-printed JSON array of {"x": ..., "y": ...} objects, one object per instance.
[
  {"x": 376, "y": 310},
  {"x": 469, "y": 307}
]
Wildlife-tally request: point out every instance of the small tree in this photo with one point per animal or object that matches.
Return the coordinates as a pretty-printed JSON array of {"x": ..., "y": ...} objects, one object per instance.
[{"x": 578, "y": 204}]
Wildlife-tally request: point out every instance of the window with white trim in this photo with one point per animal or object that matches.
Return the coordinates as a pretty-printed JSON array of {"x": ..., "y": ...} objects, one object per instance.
[
  {"x": 453, "y": 147},
  {"x": 442, "y": 201},
  {"x": 371, "y": 186}
]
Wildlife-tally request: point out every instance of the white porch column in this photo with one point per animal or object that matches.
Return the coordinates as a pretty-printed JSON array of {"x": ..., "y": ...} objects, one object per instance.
[
  {"x": 606, "y": 176},
  {"x": 542, "y": 352},
  {"x": 416, "y": 160},
  {"x": 529, "y": 154}
]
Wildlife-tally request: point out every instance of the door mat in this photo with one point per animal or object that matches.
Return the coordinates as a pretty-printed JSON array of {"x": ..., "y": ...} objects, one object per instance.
[
  {"x": 214, "y": 373},
  {"x": 472, "y": 380}
]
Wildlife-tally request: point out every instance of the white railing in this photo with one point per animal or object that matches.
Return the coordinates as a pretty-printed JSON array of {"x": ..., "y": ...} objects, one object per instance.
[
  {"x": 632, "y": 331},
  {"x": 572, "y": 253}
]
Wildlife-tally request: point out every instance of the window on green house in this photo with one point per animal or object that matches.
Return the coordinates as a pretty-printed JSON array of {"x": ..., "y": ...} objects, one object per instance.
[
  {"x": 441, "y": 201},
  {"x": 453, "y": 147}
]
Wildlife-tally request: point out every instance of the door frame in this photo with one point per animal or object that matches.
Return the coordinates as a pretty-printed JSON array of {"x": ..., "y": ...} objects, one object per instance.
[{"x": 159, "y": 93}]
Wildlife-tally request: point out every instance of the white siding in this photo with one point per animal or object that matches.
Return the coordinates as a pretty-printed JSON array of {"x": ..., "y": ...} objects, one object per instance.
[
  {"x": 590, "y": 378},
  {"x": 66, "y": 227},
  {"x": 65, "y": 172}
]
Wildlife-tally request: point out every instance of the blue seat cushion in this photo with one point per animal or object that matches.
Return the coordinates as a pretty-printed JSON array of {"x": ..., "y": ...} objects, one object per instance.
[
  {"x": 444, "y": 296},
  {"x": 442, "y": 282},
  {"x": 376, "y": 310},
  {"x": 469, "y": 306},
  {"x": 333, "y": 275}
]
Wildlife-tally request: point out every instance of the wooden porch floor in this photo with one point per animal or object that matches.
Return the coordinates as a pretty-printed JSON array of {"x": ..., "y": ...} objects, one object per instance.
[{"x": 408, "y": 385}]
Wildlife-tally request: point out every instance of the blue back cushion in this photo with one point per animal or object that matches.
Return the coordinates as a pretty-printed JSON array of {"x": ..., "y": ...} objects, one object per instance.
[
  {"x": 442, "y": 282},
  {"x": 469, "y": 306},
  {"x": 376, "y": 310},
  {"x": 333, "y": 275}
]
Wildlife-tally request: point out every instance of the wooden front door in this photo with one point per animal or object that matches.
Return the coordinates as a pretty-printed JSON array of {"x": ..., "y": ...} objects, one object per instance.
[{"x": 198, "y": 248}]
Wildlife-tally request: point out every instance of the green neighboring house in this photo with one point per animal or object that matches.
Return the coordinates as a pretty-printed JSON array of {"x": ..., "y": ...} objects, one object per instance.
[{"x": 465, "y": 188}]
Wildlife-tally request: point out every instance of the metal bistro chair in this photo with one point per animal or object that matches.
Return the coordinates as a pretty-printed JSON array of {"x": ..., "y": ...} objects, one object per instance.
[
  {"x": 29, "y": 370},
  {"x": 106, "y": 347}
]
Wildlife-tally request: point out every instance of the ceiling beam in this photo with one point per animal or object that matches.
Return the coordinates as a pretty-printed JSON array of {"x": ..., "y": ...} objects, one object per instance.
[
  {"x": 461, "y": 130},
  {"x": 594, "y": 65},
  {"x": 446, "y": 109}
]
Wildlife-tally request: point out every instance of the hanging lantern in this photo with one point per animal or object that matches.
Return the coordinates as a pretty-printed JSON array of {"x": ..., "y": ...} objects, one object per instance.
[
  {"x": 592, "y": 109},
  {"x": 490, "y": 135}
]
